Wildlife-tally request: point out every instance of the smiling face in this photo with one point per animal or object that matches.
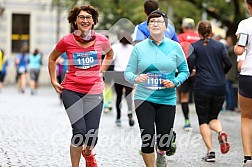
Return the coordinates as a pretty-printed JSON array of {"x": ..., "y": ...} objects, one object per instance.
[
  {"x": 84, "y": 21},
  {"x": 157, "y": 26}
]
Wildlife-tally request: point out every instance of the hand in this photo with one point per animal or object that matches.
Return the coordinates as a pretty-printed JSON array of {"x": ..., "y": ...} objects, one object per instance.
[
  {"x": 141, "y": 78},
  {"x": 57, "y": 87},
  {"x": 168, "y": 84},
  {"x": 193, "y": 73}
]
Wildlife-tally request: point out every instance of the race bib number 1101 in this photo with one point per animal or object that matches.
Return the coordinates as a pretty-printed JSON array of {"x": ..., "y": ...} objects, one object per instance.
[{"x": 154, "y": 80}]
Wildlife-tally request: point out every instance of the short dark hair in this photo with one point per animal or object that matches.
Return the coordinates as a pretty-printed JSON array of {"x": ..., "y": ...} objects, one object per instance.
[
  {"x": 150, "y": 6},
  {"x": 158, "y": 13}
]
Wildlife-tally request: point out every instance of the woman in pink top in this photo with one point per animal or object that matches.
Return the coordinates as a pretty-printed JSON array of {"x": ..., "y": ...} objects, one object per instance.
[{"x": 83, "y": 85}]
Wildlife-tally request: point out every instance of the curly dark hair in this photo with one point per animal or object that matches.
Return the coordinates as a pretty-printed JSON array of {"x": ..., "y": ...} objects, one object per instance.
[
  {"x": 249, "y": 2},
  {"x": 205, "y": 30},
  {"x": 74, "y": 12}
]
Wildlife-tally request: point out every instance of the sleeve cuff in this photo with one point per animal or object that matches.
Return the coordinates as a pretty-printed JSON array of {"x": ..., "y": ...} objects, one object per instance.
[
  {"x": 133, "y": 79},
  {"x": 176, "y": 83}
]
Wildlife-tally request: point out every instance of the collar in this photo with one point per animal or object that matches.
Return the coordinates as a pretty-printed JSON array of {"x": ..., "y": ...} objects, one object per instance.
[{"x": 154, "y": 42}]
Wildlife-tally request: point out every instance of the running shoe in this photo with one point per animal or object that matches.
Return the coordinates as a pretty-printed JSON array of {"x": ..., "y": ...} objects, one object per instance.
[
  {"x": 210, "y": 157},
  {"x": 131, "y": 120},
  {"x": 161, "y": 159},
  {"x": 110, "y": 106},
  {"x": 105, "y": 108},
  {"x": 224, "y": 145},
  {"x": 90, "y": 159},
  {"x": 118, "y": 122},
  {"x": 187, "y": 125},
  {"x": 248, "y": 163},
  {"x": 172, "y": 147}
]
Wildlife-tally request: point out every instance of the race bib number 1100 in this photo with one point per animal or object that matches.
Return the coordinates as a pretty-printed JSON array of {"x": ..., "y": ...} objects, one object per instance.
[{"x": 85, "y": 60}]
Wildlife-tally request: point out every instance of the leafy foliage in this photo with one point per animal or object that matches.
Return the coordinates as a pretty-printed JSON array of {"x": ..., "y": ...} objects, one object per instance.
[{"x": 227, "y": 12}]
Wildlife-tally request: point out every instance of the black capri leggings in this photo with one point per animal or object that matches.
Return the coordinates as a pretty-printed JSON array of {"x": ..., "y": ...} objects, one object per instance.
[
  {"x": 151, "y": 114},
  {"x": 84, "y": 112},
  {"x": 208, "y": 106}
]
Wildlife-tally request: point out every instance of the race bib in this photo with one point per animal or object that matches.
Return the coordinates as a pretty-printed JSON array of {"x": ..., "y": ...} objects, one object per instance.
[
  {"x": 21, "y": 69},
  {"x": 154, "y": 81},
  {"x": 85, "y": 60}
]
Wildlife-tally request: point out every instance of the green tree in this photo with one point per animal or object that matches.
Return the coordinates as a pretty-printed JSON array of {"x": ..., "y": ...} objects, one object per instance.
[
  {"x": 114, "y": 10},
  {"x": 227, "y": 12}
]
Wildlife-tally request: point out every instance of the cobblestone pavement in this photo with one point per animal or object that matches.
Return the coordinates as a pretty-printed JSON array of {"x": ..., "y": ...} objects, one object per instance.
[{"x": 35, "y": 131}]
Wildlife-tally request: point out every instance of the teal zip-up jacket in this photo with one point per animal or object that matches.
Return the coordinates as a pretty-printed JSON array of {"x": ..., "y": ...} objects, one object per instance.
[{"x": 165, "y": 59}]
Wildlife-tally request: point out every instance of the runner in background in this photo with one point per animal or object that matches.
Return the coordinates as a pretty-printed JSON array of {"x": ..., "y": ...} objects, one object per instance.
[
  {"x": 141, "y": 30},
  {"x": 122, "y": 51},
  {"x": 108, "y": 90},
  {"x": 244, "y": 44},
  {"x": 21, "y": 63},
  {"x": 188, "y": 36},
  {"x": 3, "y": 66},
  {"x": 35, "y": 63},
  {"x": 212, "y": 62}
]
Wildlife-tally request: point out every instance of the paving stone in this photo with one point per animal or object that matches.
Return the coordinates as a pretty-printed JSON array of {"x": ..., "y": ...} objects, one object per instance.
[{"x": 35, "y": 131}]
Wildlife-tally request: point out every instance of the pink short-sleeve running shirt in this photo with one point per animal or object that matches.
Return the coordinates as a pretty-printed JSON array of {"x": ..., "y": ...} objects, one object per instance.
[{"x": 84, "y": 64}]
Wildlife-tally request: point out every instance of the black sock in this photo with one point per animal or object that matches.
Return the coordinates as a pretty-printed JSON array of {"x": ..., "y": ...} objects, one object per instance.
[
  {"x": 247, "y": 158},
  {"x": 185, "y": 110}
]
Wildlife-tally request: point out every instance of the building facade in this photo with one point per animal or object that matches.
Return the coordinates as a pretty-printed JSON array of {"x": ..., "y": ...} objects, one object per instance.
[{"x": 31, "y": 24}]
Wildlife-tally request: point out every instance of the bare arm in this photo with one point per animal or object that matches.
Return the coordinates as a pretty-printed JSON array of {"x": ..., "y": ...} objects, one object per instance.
[
  {"x": 239, "y": 64},
  {"x": 52, "y": 70},
  {"x": 107, "y": 60},
  {"x": 239, "y": 50}
]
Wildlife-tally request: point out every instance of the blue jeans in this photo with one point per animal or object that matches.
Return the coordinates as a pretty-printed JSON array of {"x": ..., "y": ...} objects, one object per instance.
[{"x": 230, "y": 96}]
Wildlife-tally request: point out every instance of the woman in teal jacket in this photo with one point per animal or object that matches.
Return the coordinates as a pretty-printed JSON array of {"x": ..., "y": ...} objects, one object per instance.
[{"x": 152, "y": 66}]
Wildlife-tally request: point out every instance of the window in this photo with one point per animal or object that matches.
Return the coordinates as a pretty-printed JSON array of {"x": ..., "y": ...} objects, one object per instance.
[{"x": 20, "y": 32}]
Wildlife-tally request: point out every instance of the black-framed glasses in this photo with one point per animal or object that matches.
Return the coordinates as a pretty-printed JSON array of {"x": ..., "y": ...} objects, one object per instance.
[
  {"x": 82, "y": 17},
  {"x": 159, "y": 22}
]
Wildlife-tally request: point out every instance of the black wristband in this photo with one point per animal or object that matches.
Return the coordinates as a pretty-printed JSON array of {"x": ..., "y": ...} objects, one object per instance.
[{"x": 103, "y": 74}]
